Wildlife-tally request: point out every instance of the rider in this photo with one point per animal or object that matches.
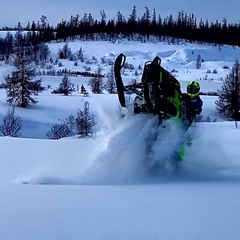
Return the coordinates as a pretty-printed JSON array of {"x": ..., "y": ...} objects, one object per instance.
[{"x": 191, "y": 104}]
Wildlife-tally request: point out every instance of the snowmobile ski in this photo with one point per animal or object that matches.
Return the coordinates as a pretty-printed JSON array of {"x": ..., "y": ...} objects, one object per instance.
[{"x": 119, "y": 63}]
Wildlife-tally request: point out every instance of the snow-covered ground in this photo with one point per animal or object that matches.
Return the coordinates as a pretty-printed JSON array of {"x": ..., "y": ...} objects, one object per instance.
[{"x": 98, "y": 188}]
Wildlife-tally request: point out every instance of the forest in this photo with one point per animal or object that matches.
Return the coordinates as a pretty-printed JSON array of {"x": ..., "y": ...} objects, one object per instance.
[{"x": 183, "y": 27}]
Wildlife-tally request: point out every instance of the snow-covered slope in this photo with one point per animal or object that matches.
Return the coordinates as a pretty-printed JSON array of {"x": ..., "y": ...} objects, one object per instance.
[{"x": 98, "y": 188}]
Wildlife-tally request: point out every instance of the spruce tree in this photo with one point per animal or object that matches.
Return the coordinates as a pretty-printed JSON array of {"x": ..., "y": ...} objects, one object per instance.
[
  {"x": 85, "y": 121},
  {"x": 228, "y": 101},
  {"x": 66, "y": 86},
  {"x": 20, "y": 85},
  {"x": 96, "y": 83},
  {"x": 198, "y": 62}
]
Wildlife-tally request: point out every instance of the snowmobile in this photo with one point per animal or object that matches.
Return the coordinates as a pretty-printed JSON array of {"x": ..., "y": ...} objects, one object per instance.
[{"x": 158, "y": 92}]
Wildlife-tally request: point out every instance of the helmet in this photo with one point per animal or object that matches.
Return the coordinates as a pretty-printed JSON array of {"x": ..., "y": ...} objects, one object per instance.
[{"x": 193, "y": 89}]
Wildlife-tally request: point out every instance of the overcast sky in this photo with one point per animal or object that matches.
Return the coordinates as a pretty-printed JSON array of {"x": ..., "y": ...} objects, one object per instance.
[{"x": 24, "y": 11}]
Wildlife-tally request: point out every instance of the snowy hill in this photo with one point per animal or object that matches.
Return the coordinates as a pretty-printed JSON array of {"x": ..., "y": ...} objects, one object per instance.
[
  {"x": 98, "y": 188},
  {"x": 179, "y": 57}
]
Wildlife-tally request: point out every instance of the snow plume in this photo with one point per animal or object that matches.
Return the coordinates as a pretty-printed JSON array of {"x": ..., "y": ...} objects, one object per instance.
[
  {"x": 122, "y": 157},
  {"x": 170, "y": 139},
  {"x": 127, "y": 155},
  {"x": 132, "y": 151},
  {"x": 123, "y": 160},
  {"x": 137, "y": 151},
  {"x": 209, "y": 157},
  {"x": 110, "y": 157}
]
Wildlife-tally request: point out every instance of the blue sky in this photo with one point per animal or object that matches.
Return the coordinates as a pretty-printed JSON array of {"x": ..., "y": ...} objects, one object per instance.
[{"x": 13, "y": 11}]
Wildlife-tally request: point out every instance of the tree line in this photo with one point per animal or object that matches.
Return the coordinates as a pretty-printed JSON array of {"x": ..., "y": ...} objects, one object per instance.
[{"x": 183, "y": 26}]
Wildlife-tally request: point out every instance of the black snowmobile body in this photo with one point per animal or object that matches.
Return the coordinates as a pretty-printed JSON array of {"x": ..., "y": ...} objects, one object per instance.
[{"x": 158, "y": 90}]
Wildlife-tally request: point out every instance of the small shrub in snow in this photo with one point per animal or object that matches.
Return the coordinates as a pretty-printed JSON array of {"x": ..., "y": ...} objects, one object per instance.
[
  {"x": 11, "y": 124},
  {"x": 81, "y": 125},
  {"x": 59, "y": 130},
  {"x": 129, "y": 66},
  {"x": 107, "y": 61},
  {"x": 93, "y": 60},
  {"x": 65, "y": 128},
  {"x": 72, "y": 58},
  {"x": 88, "y": 69}
]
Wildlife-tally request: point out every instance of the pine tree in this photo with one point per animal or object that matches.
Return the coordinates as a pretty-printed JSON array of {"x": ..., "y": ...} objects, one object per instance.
[
  {"x": 228, "y": 101},
  {"x": 66, "y": 51},
  {"x": 8, "y": 43},
  {"x": 84, "y": 121},
  {"x": 80, "y": 55},
  {"x": 82, "y": 89},
  {"x": 66, "y": 86},
  {"x": 198, "y": 62},
  {"x": 20, "y": 85},
  {"x": 132, "y": 22},
  {"x": 43, "y": 52},
  {"x": 96, "y": 83}
]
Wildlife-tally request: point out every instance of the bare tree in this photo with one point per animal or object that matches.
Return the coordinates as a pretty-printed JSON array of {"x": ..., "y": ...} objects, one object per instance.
[
  {"x": 59, "y": 130},
  {"x": 65, "y": 128},
  {"x": 11, "y": 124}
]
